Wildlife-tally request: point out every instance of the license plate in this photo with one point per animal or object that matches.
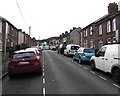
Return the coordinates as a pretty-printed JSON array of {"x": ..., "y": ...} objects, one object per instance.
[{"x": 23, "y": 63}]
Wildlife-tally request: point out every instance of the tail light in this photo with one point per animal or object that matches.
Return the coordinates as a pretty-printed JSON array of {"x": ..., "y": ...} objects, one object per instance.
[
  {"x": 83, "y": 54},
  {"x": 37, "y": 60}
]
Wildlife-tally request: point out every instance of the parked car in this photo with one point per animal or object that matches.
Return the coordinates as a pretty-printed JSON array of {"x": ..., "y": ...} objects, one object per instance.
[
  {"x": 37, "y": 49},
  {"x": 107, "y": 59},
  {"x": 24, "y": 61},
  {"x": 83, "y": 54},
  {"x": 70, "y": 49},
  {"x": 60, "y": 49},
  {"x": 52, "y": 47}
]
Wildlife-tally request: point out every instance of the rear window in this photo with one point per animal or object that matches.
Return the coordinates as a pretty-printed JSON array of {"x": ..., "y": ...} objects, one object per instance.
[
  {"x": 24, "y": 55},
  {"x": 74, "y": 47},
  {"x": 89, "y": 50}
]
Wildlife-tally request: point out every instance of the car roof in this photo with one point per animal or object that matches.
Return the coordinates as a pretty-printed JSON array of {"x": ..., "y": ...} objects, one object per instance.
[
  {"x": 85, "y": 48},
  {"x": 111, "y": 45},
  {"x": 26, "y": 50},
  {"x": 73, "y": 45},
  {"x": 32, "y": 48}
]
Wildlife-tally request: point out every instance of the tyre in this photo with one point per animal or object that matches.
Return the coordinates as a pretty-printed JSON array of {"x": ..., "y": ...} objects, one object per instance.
[
  {"x": 93, "y": 65},
  {"x": 116, "y": 75},
  {"x": 80, "y": 61},
  {"x": 67, "y": 54},
  {"x": 40, "y": 72}
]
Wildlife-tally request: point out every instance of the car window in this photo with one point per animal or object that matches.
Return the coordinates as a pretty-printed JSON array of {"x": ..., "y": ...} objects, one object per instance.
[
  {"x": 102, "y": 51},
  {"x": 79, "y": 50},
  {"x": 24, "y": 55},
  {"x": 89, "y": 50}
]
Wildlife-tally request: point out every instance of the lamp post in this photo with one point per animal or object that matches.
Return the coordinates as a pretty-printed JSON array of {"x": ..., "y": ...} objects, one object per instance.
[{"x": 29, "y": 35}]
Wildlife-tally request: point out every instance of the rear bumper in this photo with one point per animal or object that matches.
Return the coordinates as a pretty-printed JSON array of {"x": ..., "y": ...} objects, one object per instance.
[
  {"x": 24, "y": 69},
  {"x": 85, "y": 59}
]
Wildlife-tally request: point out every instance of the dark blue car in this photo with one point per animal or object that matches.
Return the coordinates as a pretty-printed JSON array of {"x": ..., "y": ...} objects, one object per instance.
[{"x": 83, "y": 54}]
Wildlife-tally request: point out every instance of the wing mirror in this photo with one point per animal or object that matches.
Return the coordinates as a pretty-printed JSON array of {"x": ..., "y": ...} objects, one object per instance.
[{"x": 97, "y": 54}]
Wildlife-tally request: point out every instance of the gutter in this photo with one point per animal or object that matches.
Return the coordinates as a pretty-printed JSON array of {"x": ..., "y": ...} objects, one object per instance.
[{"x": 1, "y": 77}]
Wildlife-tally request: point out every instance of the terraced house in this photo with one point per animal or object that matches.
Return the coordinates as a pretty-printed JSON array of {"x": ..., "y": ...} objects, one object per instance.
[
  {"x": 105, "y": 30},
  {"x": 10, "y": 37}
]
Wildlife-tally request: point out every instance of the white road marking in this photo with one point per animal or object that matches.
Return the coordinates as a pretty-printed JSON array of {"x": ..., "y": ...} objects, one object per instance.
[
  {"x": 116, "y": 86},
  {"x": 80, "y": 65},
  {"x": 43, "y": 69},
  {"x": 85, "y": 68},
  {"x": 69, "y": 59},
  {"x": 43, "y": 80},
  {"x": 92, "y": 72},
  {"x": 103, "y": 78},
  {"x": 43, "y": 74},
  {"x": 75, "y": 63},
  {"x": 43, "y": 91}
]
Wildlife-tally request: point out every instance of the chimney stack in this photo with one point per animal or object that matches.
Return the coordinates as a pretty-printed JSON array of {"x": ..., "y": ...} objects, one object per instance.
[{"x": 112, "y": 8}]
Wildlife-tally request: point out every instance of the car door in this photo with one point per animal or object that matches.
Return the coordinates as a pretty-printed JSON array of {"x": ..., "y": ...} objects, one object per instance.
[{"x": 100, "y": 59}]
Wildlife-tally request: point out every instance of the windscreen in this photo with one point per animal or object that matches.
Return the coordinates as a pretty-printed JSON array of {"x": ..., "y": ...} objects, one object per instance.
[
  {"x": 89, "y": 50},
  {"x": 74, "y": 47},
  {"x": 23, "y": 55}
]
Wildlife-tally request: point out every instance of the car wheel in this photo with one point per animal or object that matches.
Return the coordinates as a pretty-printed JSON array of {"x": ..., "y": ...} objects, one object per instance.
[
  {"x": 93, "y": 65},
  {"x": 67, "y": 54},
  {"x": 116, "y": 75},
  {"x": 80, "y": 60},
  {"x": 40, "y": 72}
]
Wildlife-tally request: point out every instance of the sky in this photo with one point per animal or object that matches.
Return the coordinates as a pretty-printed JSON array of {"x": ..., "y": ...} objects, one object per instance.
[{"x": 49, "y": 18}]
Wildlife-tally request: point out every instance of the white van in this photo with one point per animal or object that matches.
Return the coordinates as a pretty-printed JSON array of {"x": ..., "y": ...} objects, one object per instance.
[
  {"x": 107, "y": 59},
  {"x": 70, "y": 49}
]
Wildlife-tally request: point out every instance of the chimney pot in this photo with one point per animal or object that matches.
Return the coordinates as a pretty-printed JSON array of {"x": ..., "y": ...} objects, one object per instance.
[{"x": 112, "y": 8}]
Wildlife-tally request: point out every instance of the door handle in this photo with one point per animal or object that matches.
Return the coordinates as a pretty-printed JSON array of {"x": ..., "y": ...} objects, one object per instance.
[
  {"x": 106, "y": 59},
  {"x": 102, "y": 58}
]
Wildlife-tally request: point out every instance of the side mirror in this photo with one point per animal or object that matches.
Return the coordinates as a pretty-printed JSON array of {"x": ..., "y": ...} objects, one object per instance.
[{"x": 96, "y": 54}]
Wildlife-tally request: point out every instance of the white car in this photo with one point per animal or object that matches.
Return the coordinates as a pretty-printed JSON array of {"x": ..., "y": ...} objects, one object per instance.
[
  {"x": 70, "y": 49},
  {"x": 107, "y": 59}
]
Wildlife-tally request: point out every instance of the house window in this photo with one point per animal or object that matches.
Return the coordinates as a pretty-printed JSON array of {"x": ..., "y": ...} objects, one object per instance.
[
  {"x": 85, "y": 44},
  {"x": 0, "y": 27},
  {"x": 91, "y": 43},
  {"x": 86, "y": 33},
  {"x": 81, "y": 39},
  {"x": 114, "y": 25},
  {"x": 108, "y": 26},
  {"x": 100, "y": 44},
  {"x": 91, "y": 29},
  {"x": 100, "y": 30},
  {"x": 0, "y": 45}
]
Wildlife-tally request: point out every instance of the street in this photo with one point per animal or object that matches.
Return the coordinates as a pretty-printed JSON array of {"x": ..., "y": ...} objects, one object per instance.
[{"x": 61, "y": 75}]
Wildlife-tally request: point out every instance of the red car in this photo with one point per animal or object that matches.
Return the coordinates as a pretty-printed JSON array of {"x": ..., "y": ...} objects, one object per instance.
[{"x": 24, "y": 61}]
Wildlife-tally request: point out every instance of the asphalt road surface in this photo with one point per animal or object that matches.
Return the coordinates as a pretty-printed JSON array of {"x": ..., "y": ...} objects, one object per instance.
[{"x": 62, "y": 75}]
